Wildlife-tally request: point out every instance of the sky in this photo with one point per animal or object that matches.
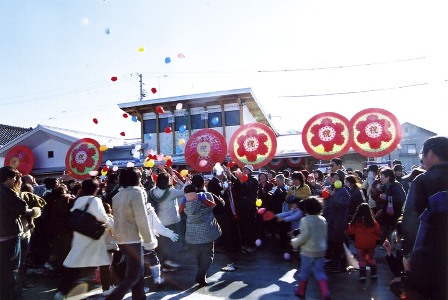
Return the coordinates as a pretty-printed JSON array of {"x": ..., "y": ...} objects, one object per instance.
[{"x": 300, "y": 58}]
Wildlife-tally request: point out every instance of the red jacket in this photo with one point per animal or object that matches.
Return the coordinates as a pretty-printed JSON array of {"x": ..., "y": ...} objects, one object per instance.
[{"x": 365, "y": 237}]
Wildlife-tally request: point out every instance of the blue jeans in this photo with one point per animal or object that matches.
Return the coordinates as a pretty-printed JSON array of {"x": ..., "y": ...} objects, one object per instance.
[
  {"x": 312, "y": 264},
  {"x": 133, "y": 279},
  {"x": 9, "y": 262}
]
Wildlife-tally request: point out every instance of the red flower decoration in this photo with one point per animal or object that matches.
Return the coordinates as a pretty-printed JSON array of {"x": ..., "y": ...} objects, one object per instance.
[
  {"x": 327, "y": 134},
  {"x": 82, "y": 158},
  {"x": 252, "y": 144},
  {"x": 373, "y": 131}
]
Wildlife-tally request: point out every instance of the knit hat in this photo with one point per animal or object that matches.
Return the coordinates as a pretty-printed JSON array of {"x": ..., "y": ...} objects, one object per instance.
[{"x": 249, "y": 167}]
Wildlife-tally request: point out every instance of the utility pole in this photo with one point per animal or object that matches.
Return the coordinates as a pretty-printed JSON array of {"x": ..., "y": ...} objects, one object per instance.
[{"x": 142, "y": 91}]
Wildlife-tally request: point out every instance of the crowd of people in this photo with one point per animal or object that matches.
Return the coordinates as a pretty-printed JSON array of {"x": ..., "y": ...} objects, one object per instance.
[{"x": 150, "y": 215}]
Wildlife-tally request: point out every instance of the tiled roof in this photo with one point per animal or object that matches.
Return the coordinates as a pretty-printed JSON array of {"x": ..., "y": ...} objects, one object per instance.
[{"x": 9, "y": 133}]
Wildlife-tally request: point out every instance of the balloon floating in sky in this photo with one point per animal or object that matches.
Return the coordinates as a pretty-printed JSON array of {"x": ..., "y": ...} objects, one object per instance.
[
  {"x": 107, "y": 31},
  {"x": 182, "y": 128},
  {"x": 153, "y": 90},
  {"x": 215, "y": 120},
  {"x": 141, "y": 49},
  {"x": 103, "y": 148},
  {"x": 122, "y": 133},
  {"x": 179, "y": 106},
  {"x": 168, "y": 129},
  {"x": 95, "y": 120},
  {"x": 148, "y": 136},
  {"x": 134, "y": 119},
  {"x": 181, "y": 141},
  {"x": 160, "y": 110},
  {"x": 167, "y": 60},
  {"x": 114, "y": 78},
  {"x": 125, "y": 115},
  {"x": 181, "y": 55},
  {"x": 85, "y": 21}
]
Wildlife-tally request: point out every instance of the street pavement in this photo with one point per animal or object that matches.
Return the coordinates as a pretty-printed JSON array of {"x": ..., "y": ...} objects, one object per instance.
[{"x": 264, "y": 274}]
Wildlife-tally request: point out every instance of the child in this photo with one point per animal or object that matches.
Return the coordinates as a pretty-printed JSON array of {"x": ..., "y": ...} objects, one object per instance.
[
  {"x": 288, "y": 222},
  {"x": 367, "y": 232},
  {"x": 313, "y": 242}
]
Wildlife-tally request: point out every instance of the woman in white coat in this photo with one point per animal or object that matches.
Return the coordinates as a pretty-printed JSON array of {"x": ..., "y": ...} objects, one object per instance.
[{"x": 86, "y": 253}]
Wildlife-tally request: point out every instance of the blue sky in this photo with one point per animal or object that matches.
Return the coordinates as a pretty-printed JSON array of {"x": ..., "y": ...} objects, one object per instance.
[{"x": 56, "y": 59}]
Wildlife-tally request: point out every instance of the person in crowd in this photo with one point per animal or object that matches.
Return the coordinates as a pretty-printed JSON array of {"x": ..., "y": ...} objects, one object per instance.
[
  {"x": 315, "y": 186},
  {"x": 37, "y": 189},
  {"x": 289, "y": 221},
  {"x": 287, "y": 174},
  {"x": 312, "y": 241},
  {"x": 109, "y": 279},
  {"x": 336, "y": 210},
  {"x": 12, "y": 207},
  {"x": 112, "y": 186},
  {"x": 86, "y": 254},
  {"x": 336, "y": 164},
  {"x": 319, "y": 177},
  {"x": 398, "y": 170},
  {"x": 392, "y": 197},
  {"x": 367, "y": 232},
  {"x": 299, "y": 188},
  {"x": 264, "y": 187},
  {"x": 407, "y": 179},
  {"x": 164, "y": 196},
  {"x": 202, "y": 229},
  {"x": 368, "y": 184},
  {"x": 247, "y": 189},
  {"x": 394, "y": 258},
  {"x": 356, "y": 195},
  {"x": 271, "y": 176},
  {"x": 428, "y": 265},
  {"x": 131, "y": 229}
]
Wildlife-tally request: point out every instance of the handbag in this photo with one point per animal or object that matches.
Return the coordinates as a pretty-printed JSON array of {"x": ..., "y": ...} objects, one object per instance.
[
  {"x": 85, "y": 223},
  {"x": 390, "y": 206}
]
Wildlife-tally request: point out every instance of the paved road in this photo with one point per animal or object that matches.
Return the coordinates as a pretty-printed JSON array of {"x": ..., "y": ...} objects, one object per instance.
[{"x": 261, "y": 275}]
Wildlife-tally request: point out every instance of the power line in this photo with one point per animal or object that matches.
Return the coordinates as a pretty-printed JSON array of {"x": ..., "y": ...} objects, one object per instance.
[{"x": 353, "y": 92}]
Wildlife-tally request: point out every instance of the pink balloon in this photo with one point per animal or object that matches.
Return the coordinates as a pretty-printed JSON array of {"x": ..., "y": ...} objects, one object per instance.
[
  {"x": 261, "y": 210},
  {"x": 203, "y": 163}
]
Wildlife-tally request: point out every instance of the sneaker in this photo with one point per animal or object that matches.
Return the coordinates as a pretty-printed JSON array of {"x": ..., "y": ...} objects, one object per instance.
[
  {"x": 109, "y": 291},
  {"x": 59, "y": 296},
  {"x": 171, "y": 264},
  {"x": 159, "y": 280}
]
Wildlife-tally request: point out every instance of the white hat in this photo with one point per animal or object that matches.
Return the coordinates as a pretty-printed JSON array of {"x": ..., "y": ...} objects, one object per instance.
[{"x": 249, "y": 167}]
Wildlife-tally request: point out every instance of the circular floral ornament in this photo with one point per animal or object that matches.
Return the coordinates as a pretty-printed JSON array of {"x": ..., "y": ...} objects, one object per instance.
[
  {"x": 82, "y": 157},
  {"x": 376, "y": 132},
  {"x": 253, "y": 144},
  {"x": 204, "y": 149},
  {"x": 327, "y": 135},
  {"x": 20, "y": 157}
]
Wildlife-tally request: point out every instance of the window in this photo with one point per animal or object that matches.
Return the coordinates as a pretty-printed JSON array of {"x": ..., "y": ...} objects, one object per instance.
[
  {"x": 409, "y": 149},
  {"x": 214, "y": 120},
  {"x": 163, "y": 123},
  {"x": 149, "y": 126},
  {"x": 180, "y": 121},
  {"x": 50, "y": 154},
  {"x": 196, "y": 122},
  {"x": 232, "y": 117}
]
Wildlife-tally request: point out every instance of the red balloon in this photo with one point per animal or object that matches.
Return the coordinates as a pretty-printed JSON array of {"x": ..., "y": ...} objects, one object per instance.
[
  {"x": 114, "y": 78},
  {"x": 122, "y": 133},
  {"x": 160, "y": 110},
  {"x": 230, "y": 164},
  {"x": 168, "y": 130},
  {"x": 325, "y": 194},
  {"x": 95, "y": 120},
  {"x": 169, "y": 163},
  {"x": 153, "y": 90},
  {"x": 268, "y": 215},
  {"x": 125, "y": 115},
  {"x": 105, "y": 168},
  {"x": 154, "y": 177},
  {"x": 244, "y": 177}
]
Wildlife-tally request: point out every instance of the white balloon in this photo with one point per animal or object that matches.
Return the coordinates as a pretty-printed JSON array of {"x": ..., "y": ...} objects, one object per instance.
[
  {"x": 108, "y": 163},
  {"x": 115, "y": 168},
  {"x": 138, "y": 147},
  {"x": 130, "y": 164},
  {"x": 179, "y": 106}
]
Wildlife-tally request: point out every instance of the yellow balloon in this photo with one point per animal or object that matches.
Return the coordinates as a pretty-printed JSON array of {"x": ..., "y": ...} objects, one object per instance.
[
  {"x": 338, "y": 184},
  {"x": 146, "y": 163},
  {"x": 184, "y": 173},
  {"x": 141, "y": 49},
  {"x": 151, "y": 163},
  {"x": 104, "y": 173},
  {"x": 258, "y": 202},
  {"x": 167, "y": 158},
  {"x": 181, "y": 141},
  {"x": 103, "y": 148}
]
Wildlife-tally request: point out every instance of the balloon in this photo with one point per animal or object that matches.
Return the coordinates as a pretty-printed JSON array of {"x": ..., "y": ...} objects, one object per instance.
[
  {"x": 261, "y": 210},
  {"x": 182, "y": 128},
  {"x": 167, "y": 60},
  {"x": 125, "y": 115},
  {"x": 103, "y": 177},
  {"x": 134, "y": 119},
  {"x": 179, "y": 106},
  {"x": 325, "y": 194},
  {"x": 115, "y": 168},
  {"x": 181, "y": 141},
  {"x": 203, "y": 163},
  {"x": 141, "y": 49},
  {"x": 154, "y": 177},
  {"x": 244, "y": 177},
  {"x": 338, "y": 184},
  {"x": 93, "y": 173},
  {"x": 107, "y": 30},
  {"x": 160, "y": 110},
  {"x": 230, "y": 164},
  {"x": 169, "y": 163},
  {"x": 258, "y": 243},
  {"x": 268, "y": 215},
  {"x": 95, "y": 120},
  {"x": 148, "y": 136},
  {"x": 108, "y": 163},
  {"x": 167, "y": 157},
  {"x": 153, "y": 90},
  {"x": 168, "y": 129},
  {"x": 130, "y": 164},
  {"x": 103, "y": 172},
  {"x": 184, "y": 173},
  {"x": 159, "y": 157},
  {"x": 151, "y": 163},
  {"x": 105, "y": 168},
  {"x": 181, "y": 55},
  {"x": 138, "y": 147},
  {"x": 215, "y": 120},
  {"x": 286, "y": 256},
  {"x": 85, "y": 21},
  {"x": 103, "y": 148},
  {"x": 122, "y": 133},
  {"x": 114, "y": 78},
  {"x": 258, "y": 202}
]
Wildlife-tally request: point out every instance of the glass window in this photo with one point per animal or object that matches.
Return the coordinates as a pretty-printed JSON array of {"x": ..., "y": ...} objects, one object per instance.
[
  {"x": 149, "y": 126},
  {"x": 163, "y": 123},
  {"x": 180, "y": 121},
  {"x": 232, "y": 117},
  {"x": 214, "y": 119},
  {"x": 196, "y": 122}
]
